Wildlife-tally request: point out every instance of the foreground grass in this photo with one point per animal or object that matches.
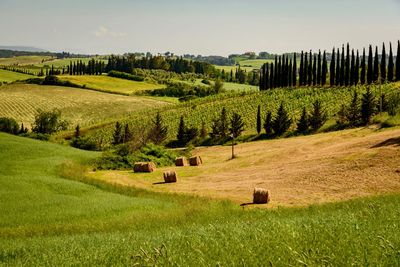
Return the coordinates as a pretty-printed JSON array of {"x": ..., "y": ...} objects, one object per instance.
[
  {"x": 110, "y": 84},
  {"x": 78, "y": 106},
  {"x": 50, "y": 221}
]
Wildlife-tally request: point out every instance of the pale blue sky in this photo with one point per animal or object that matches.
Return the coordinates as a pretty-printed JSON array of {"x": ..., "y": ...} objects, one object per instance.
[{"x": 218, "y": 27}]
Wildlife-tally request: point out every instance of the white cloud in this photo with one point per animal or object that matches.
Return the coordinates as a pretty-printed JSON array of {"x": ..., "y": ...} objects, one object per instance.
[{"x": 105, "y": 32}]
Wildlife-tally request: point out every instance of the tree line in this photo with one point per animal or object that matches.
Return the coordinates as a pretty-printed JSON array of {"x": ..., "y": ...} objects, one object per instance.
[
  {"x": 347, "y": 67},
  {"x": 93, "y": 67}
]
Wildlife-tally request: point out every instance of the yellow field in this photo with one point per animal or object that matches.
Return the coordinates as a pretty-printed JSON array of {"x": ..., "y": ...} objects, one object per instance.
[
  {"x": 298, "y": 171},
  {"x": 79, "y": 106},
  {"x": 110, "y": 84}
]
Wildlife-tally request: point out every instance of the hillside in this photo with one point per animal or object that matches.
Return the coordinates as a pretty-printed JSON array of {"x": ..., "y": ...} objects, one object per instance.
[
  {"x": 298, "y": 171},
  {"x": 79, "y": 106},
  {"x": 11, "y": 76}
]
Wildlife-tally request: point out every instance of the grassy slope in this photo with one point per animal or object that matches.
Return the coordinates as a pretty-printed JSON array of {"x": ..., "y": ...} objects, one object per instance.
[
  {"x": 11, "y": 76},
  {"x": 46, "y": 220},
  {"x": 86, "y": 107},
  {"x": 23, "y": 60},
  {"x": 110, "y": 84}
]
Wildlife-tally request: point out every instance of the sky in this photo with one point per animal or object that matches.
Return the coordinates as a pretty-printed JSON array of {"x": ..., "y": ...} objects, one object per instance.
[{"x": 205, "y": 27}]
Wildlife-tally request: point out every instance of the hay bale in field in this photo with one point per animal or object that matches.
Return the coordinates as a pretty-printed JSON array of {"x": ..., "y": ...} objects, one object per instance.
[
  {"x": 144, "y": 167},
  {"x": 195, "y": 161},
  {"x": 181, "y": 161},
  {"x": 170, "y": 177},
  {"x": 261, "y": 196}
]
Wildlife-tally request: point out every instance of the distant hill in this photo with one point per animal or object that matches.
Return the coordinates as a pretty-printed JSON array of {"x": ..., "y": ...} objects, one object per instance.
[{"x": 22, "y": 48}]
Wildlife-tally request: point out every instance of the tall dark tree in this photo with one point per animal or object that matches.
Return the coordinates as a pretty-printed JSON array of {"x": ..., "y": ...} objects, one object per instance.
[
  {"x": 281, "y": 122},
  {"x": 303, "y": 124},
  {"x": 290, "y": 74},
  {"x": 357, "y": 69},
  {"x": 237, "y": 125},
  {"x": 301, "y": 70},
  {"x": 276, "y": 74},
  {"x": 368, "y": 106},
  {"x": 310, "y": 69},
  {"x": 398, "y": 62},
  {"x": 324, "y": 70},
  {"x": 314, "y": 71},
  {"x": 127, "y": 134},
  {"x": 347, "y": 67},
  {"x": 363, "y": 70},
  {"x": 271, "y": 76},
  {"x": 258, "y": 119},
  {"x": 159, "y": 131},
  {"x": 77, "y": 132},
  {"x": 332, "y": 69},
  {"x": 305, "y": 70},
  {"x": 294, "y": 71},
  {"x": 319, "y": 68},
  {"x": 383, "y": 65},
  {"x": 353, "y": 111},
  {"x": 376, "y": 65},
  {"x": 181, "y": 132},
  {"x": 262, "y": 78},
  {"x": 342, "y": 68},
  {"x": 352, "y": 68},
  {"x": 117, "y": 135},
  {"x": 223, "y": 123},
  {"x": 390, "y": 64},
  {"x": 337, "y": 78},
  {"x": 268, "y": 123},
  {"x": 266, "y": 76},
  {"x": 370, "y": 69}
]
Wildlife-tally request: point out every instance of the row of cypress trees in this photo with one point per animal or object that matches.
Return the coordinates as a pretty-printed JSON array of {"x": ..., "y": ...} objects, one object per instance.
[
  {"x": 346, "y": 68},
  {"x": 93, "y": 67}
]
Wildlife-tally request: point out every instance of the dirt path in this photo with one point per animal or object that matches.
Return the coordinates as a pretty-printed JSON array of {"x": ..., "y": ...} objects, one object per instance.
[{"x": 297, "y": 171}]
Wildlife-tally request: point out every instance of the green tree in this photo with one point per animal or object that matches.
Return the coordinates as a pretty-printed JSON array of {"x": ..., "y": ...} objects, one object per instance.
[
  {"x": 324, "y": 69},
  {"x": 303, "y": 124},
  {"x": 223, "y": 123},
  {"x": 337, "y": 78},
  {"x": 370, "y": 70},
  {"x": 319, "y": 68},
  {"x": 237, "y": 125},
  {"x": 390, "y": 64},
  {"x": 342, "y": 68},
  {"x": 347, "y": 67},
  {"x": 398, "y": 62},
  {"x": 281, "y": 122},
  {"x": 353, "y": 111},
  {"x": 363, "y": 70},
  {"x": 48, "y": 122},
  {"x": 181, "y": 131},
  {"x": 117, "y": 135},
  {"x": 159, "y": 131},
  {"x": 376, "y": 65},
  {"x": 258, "y": 119},
  {"x": 383, "y": 64},
  {"x": 332, "y": 69},
  {"x": 127, "y": 134},
  {"x": 203, "y": 130},
  {"x": 268, "y": 123},
  {"x": 77, "y": 132},
  {"x": 367, "y": 106},
  {"x": 318, "y": 116},
  {"x": 357, "y": 70},
  {"x": 294, "y": 71}
]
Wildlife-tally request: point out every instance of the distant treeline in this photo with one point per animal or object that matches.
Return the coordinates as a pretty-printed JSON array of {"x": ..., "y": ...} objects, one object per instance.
[
  {"x": 11, "y": 53},
  {"x": 178, "y": 65},
  {"x": 346, "y": 68},
  {"x": 93, "y": 67},
  {"x": 214, "y": 60}
]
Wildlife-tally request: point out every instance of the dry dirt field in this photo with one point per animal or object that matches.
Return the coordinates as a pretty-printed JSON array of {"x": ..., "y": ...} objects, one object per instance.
[{"x": 298, "y": 171}]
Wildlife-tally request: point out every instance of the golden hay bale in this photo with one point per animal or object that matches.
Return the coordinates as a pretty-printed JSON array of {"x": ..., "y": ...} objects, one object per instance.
[
  {"x": 170, "y": 177},
  {"x": 181, "y": 161},
  {"x": 144, "y": 167},
  {"x": 261, "y": 196},
  {"x": 195, "y": 161}
]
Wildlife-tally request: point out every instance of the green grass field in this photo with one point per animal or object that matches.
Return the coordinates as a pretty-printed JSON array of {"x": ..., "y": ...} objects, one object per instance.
[
  {"x": 24, "y": 60},
  {"x": 11, "y": 76},
  {"x": 59, "y": 63},
  {"x": 110, "y": 84},
  {"x": 79, "y": 106},
  {"x": 47, "y": 220}
]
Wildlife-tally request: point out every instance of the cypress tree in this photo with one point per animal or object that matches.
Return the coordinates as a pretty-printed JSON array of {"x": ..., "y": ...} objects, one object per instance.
[
  {"x": 303, "y": 124},
  {"x": 266, "y": 76},
  {"x": 310, "y": 70},
  {"x": 352, "y": 68},
  {"x": 357, "y": 69},
  {"x": 127, "y": 134},
  {"x": 305, "y": 70},
  {"x": 237, "y": 125},
  {"x": 262, "y": 77},
  {"x": 398, "y": 62},
  {"x": 294, "y": 71},
  {"x": 268, "y": 123},
  {"x": 259, "y": 120},
  {"x": 319, "y": 68},
  {"x": 353, "y": 111},
  {"x": 276, "y": 78},
  {"x": 324, "y": 70},
  {"x": 342, "y": 68},
  {"x": 301, "y": 70},
  {"x": 117, "y": 135},
  {"x": 159, "y": 131},
  {"x": 383, "y": 65},
  {"x": 318, "y": 116},
  {"x": 288, "y": 70},
  {"x": 367, "y": 106},
  {"x": 332, "y": 69},
  {"x": 370, "y": 71},
  {"x": 314, "y": 71},
  {"x": 337, "y": 78},
  {"x": 181, "y": 132},
  {"x": 376, "y": 65},
  {"x": 223, "y": 123},
  {"x": 390, "y": 64},
  {"x": 290, "y": 74},
  {"x": 70, "y": 68},
  {"x": 347, "y": 67},
  {"x": 272, "y": 78}
]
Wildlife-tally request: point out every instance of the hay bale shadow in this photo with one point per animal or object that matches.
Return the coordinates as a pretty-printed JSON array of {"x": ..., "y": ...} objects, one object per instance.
[{"x": 389, "y": 142}]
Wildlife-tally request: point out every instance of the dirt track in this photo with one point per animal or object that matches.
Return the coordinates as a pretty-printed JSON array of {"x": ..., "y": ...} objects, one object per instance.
[{"x": 297, "y": 171}]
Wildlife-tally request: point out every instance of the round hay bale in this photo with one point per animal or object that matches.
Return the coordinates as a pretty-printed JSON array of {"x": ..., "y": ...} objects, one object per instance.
[
  {"x": 170, "y": 177},
  {"x": 181, "y": 162},
  {"x": 144, "y": 167},
  {"x": 195, "y": 161},
  {"x": 261, "y": 196}
]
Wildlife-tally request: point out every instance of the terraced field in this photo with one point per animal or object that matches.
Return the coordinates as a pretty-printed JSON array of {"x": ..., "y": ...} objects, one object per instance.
[
  {"x": 110, "y": 84},
  {"x": 86, "y": 107}
]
